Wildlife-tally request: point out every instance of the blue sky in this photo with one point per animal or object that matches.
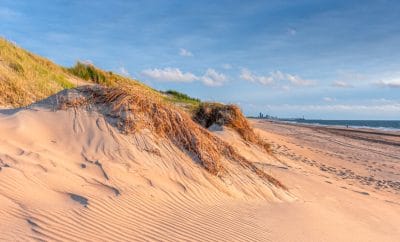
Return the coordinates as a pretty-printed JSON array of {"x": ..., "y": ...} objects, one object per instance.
[{"x": 321, "y": 59}]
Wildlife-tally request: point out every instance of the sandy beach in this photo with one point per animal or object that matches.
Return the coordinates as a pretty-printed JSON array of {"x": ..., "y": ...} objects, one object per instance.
[
  {"x": 69, "y": 175},
  {"x": 346, "y": 182},
  {"x": 367, "y": 157}
]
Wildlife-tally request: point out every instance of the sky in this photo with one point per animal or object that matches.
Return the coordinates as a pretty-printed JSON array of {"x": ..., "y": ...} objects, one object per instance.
[{"x": 317, "y": 59}]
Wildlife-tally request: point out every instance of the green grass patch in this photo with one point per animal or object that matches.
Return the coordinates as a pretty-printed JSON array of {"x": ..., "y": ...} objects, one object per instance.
[
  {"x": 181, "y": 97},
  {"x": 90, "y": 73}
]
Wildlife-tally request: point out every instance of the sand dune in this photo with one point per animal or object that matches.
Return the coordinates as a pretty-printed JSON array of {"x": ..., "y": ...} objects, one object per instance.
[{"x": 69, "y": 175}]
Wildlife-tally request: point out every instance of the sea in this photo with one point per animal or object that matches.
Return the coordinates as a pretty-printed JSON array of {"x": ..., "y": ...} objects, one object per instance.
[{"x": 371, "y": 124}]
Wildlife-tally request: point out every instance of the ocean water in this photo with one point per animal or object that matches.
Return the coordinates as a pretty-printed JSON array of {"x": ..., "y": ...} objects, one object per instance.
[{"x": 374, "y": 124}]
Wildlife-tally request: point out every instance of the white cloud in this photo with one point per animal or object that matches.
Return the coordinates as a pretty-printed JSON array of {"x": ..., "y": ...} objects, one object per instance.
[
  {"x": 275, "y": 77},
  {"x": 185, "y": 52},
  {"x": 363, "y": 110},
  {"x": 247, "y": 75},
  {"x": 213, "y": 78},
  {"x": 123, "y": 71},
  {"x": 210, "y": 78},
  {"x": 394, "y": 107},
  {"x": 384, "y": 101},
  {"x": 329, "y": 99},
  {"x": 342, "y": 84},
  {"x": 296, "y": 80},
  {"x": 169, "y": 75},
  {"x": 393, "y": 83}
]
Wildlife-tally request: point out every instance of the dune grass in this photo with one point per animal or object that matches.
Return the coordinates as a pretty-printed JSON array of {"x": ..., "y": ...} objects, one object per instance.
[
  {"x": 89, "y": 73},
  {"x": 130, "y": 110},
  {"x": 184, "y": 101},
  {"x": 25, "y": 77},
  {"x": 229, "y": 115},
  {"x": 181, "y": 97}
]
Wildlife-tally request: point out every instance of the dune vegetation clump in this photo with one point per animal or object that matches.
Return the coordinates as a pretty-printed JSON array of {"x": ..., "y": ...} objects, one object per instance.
[
  {"x": 89, "y": 73},
  {"x": 182, "y": 96},
  {"x": 228, "y": 115},
  {"x": 131, "y": 111},
  {"x": 182, "y": 100}
]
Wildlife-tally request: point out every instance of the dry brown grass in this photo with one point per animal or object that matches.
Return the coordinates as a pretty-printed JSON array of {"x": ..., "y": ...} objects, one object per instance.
[
  {"x": 133, "y": 110},
  {"x": 231, "y": 116}
]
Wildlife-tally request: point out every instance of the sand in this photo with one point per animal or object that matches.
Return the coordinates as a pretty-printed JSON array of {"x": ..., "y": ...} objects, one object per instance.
[
  {"x": 346, "y": 180},
  {"x": 68, "y": 175}
]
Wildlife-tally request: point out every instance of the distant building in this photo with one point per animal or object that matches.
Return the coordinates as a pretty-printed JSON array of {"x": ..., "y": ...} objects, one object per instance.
[{"x": 265, "y": 116}]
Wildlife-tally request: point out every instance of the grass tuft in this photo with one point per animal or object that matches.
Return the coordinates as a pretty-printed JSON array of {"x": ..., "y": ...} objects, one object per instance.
[
  {"x": 228, "y": 115},
  {"x": 184, "y": 101},
  {"x": 90, "y": 73},
  {"x": 16, "y": 67},
  {"x": 182, "y": 97}
]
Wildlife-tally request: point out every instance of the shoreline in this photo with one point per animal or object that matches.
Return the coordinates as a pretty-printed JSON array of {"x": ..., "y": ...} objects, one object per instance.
[{"x": 383, "y": 130}]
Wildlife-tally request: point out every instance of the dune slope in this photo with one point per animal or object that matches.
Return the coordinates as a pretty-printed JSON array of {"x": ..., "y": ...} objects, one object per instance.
[
  {"x": 70, "y": 173},
  {"x": 26, "y": 78}
]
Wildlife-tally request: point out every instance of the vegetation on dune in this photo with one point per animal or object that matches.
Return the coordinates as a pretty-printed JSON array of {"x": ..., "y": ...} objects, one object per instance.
[
  {"x": 89, "y": 73},
  {"x": 182, "y": 97},
  {"x": 182, "y": 100},
  {"x": 25, "y": 77},
  {"x": 228, "y": 115},
  {"x": 130, "y": 110},
  {"x": 92, "y": 74}
]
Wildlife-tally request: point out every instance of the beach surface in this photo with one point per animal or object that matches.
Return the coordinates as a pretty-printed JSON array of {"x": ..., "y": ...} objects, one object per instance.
[
  {"x": 368, "y": 157},
  {"x": 68, "y": 175},
  {"x": 347, "y": 182}
]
